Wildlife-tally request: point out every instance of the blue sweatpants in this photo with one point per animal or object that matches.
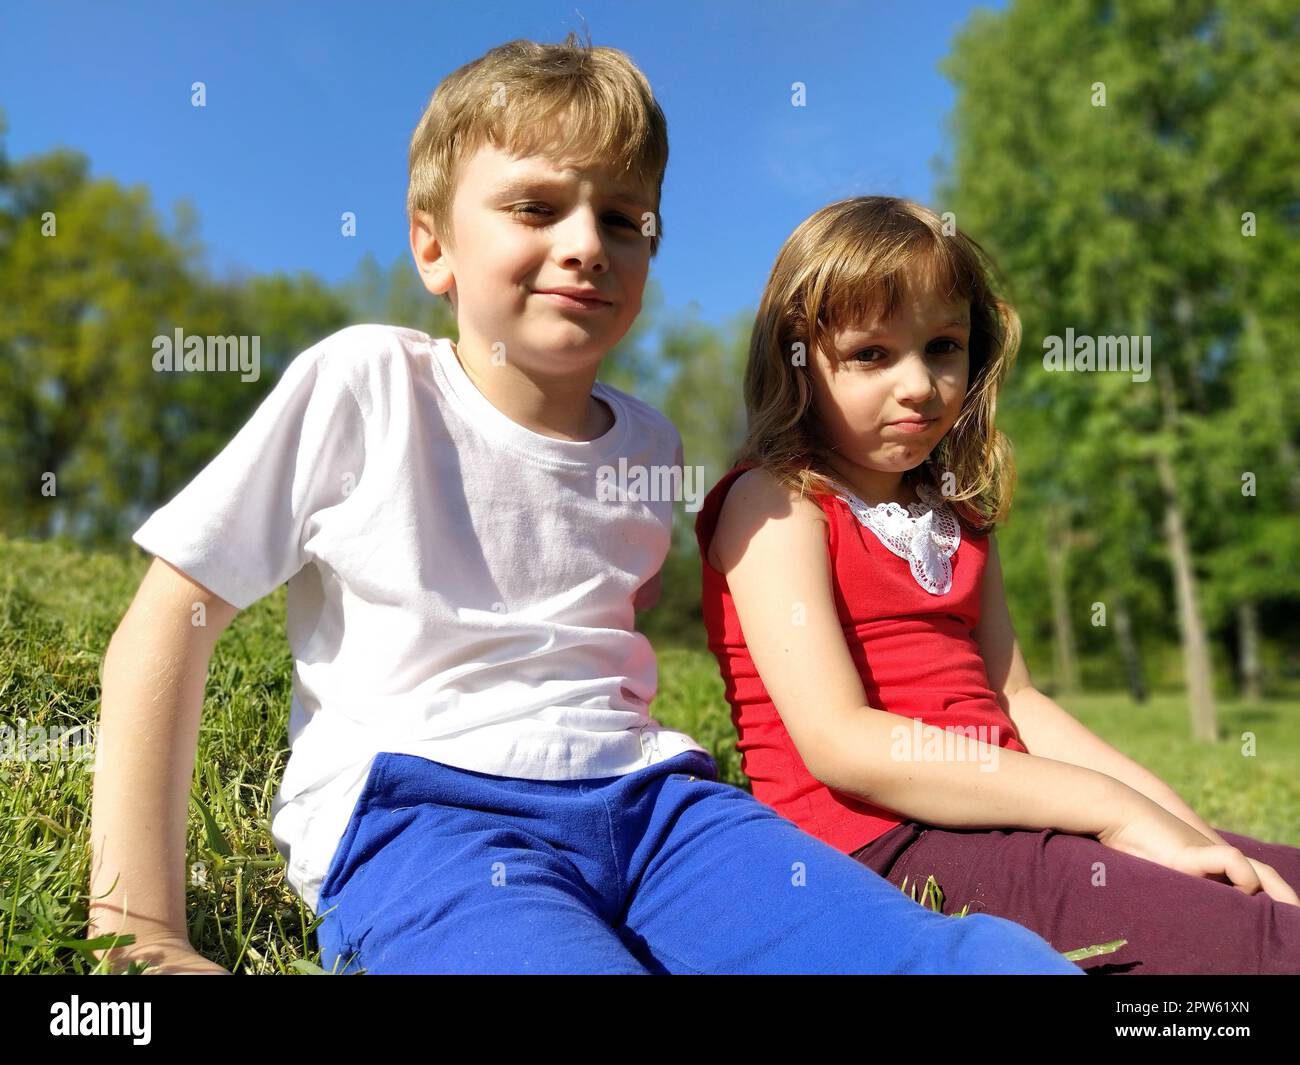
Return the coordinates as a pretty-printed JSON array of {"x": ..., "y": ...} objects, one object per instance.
[{"x": 664, "y": 870}]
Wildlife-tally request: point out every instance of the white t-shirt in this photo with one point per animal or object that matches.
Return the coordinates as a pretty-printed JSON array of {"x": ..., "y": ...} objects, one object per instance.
[{"x": 459, "y": 588}]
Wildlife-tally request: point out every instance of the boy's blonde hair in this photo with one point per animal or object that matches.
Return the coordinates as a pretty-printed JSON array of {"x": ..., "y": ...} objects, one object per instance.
[
  {"x": 583, "y": 105},
  {"x": 851, "y": 262}
]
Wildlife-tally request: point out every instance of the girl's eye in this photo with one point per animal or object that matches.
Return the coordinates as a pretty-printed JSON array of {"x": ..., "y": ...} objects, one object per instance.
[{"x": 871, "y": 356}]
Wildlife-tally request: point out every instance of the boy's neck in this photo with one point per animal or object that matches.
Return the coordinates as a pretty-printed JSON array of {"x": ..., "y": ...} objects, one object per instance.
[{"x": 562, "y": 408}]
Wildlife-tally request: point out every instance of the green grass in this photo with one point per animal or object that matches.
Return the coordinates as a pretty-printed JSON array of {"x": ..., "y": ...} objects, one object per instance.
[{"x": 59, "y": 606}]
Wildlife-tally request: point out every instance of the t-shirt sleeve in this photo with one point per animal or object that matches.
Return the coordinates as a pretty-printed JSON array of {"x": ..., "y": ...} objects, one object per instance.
[{"x": 238, "y": 528}]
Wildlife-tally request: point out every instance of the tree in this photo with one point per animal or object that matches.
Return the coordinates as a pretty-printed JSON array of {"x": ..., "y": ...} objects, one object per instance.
[{"x": 1100, "y": 153}]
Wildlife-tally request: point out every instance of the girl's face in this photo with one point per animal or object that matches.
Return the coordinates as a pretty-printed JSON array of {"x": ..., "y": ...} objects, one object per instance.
[{"x": 883, "y": 375}]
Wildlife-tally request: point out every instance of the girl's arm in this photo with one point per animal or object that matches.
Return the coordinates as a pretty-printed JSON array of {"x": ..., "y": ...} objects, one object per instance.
[
  {"x": 772, "y": 547},
  {"x": 1046, "y": 729}
]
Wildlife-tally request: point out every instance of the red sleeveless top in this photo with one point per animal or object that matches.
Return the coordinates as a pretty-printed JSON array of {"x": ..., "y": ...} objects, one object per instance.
[{"x": 914, "y": 651}]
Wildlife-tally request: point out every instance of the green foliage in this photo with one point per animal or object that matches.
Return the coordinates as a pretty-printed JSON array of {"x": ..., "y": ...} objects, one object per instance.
[
  {"x": 1127, "y": 219},
  {"x": 1093, "y": 952},
  {"x": 932, "y": 898},
  {"x": 1101, "y": 217},
  {"x": 395, "y": 296}
]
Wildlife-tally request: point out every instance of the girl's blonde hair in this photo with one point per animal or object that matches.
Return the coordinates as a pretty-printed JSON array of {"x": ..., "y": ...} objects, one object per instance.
[
  {"x": 589, "y": 106},
  {"x": 849, "y": 263}
]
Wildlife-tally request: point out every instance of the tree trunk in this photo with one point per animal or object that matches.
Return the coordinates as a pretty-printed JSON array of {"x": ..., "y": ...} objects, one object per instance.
[
  {"x": 1248, "y": 648},
  {"x": 1286, "y": 454},
  {"x": 1290, "y": 467},
  {"x": 1066, "y": 660},
  {"x": 1128, "y": 649},
  {"x": 1196, "y": 652}
]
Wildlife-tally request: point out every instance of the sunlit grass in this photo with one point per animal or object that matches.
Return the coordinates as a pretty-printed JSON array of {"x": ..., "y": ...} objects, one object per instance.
[{"x": 59, "y": 606}]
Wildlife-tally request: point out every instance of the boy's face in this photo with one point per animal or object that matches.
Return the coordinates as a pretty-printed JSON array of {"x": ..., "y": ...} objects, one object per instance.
[
  {"x": 523, "y": 227},
  {"x": 913, "y": 364}
]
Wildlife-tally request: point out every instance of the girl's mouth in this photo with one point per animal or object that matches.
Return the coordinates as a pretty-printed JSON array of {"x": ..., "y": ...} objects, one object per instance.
[{"x": 912, "y": 427}]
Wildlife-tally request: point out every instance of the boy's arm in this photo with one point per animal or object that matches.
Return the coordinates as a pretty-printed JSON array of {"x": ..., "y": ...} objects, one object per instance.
[
  {"x": 772, "y": 547},
  {"x": 648, "y": 594},
  {"x": 152, "y": 696},
  {"x": 1047, "y": 729}
]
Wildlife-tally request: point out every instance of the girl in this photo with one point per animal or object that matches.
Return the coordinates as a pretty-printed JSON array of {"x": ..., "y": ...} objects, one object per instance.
[{"x": 853, "y": 597}]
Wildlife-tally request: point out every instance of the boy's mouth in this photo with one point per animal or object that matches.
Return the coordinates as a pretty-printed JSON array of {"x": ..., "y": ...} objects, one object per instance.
[{"x": 575, "y": 298}]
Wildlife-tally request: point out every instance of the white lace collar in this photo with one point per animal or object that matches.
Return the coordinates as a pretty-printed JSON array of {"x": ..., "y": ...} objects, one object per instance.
[{"x": 926, "y": 535}]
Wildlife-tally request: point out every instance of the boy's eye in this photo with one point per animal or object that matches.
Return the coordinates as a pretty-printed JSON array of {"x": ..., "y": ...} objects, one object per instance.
[{"x": 541, "y": 208}]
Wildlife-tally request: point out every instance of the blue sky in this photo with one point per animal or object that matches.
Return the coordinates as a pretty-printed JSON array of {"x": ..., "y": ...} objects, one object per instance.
[{"x": 310, "y": 108}]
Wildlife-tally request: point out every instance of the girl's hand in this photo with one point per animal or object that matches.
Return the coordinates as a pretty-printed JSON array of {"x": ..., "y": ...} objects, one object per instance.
[
  {"x": 1274, "y": 886},
  {"x": 1159, "y": 836}
]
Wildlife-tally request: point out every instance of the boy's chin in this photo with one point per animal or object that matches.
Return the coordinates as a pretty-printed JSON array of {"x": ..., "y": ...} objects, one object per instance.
[{"x": 568, "y": 349}]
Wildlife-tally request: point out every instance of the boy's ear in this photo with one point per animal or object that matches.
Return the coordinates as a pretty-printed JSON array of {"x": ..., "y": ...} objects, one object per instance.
[{"x": 430, "y": 255}]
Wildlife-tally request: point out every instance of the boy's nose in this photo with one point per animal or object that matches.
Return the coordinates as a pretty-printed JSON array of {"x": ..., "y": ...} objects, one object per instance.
[{"x": 578, "y": 243}]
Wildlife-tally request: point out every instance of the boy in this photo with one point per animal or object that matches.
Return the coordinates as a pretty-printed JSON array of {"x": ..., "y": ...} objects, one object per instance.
[{"x": 476, "y": 783}]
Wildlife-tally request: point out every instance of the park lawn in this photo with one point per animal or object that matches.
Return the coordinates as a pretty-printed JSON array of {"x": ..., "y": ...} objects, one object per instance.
[{"x": 59, "y": 606}]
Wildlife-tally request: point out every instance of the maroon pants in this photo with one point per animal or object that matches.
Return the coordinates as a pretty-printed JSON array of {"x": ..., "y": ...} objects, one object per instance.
[{"x": 1075, "y": 892}]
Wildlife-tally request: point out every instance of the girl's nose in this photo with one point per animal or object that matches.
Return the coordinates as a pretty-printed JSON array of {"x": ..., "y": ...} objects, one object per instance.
[{"x": 915, "y": 383}]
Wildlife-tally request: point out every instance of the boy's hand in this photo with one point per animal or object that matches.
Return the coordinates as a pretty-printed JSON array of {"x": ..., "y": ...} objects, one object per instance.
[
  {"x": 1158, "y": 836},
  {"x": 167, "y": 955}
]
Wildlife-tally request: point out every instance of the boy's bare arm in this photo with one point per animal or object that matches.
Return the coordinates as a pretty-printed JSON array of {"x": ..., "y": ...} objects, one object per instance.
[{"x": 152, "y": 695}]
